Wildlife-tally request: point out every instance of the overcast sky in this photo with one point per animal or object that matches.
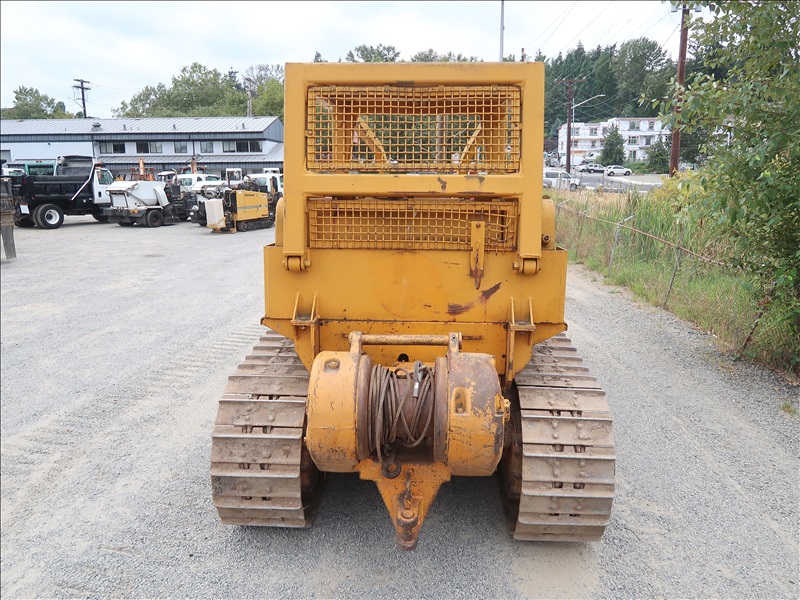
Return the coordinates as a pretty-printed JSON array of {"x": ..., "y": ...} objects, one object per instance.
[{"x": 120, "y": 47}]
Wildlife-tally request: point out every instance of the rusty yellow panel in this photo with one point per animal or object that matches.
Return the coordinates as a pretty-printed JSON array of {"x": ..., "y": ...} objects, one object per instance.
[
  {"x": 411, "y": 285},
  {"x": 414, "y": 292}
]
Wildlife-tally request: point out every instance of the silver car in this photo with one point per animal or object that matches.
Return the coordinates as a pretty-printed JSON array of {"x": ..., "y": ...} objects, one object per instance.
[{"x": 617, "y": 170}]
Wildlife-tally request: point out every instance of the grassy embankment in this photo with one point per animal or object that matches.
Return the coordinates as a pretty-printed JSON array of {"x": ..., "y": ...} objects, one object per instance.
[{"x": 718, "y": 298}]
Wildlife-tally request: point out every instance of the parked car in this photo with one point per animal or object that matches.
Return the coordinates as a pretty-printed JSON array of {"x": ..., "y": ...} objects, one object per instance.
[
  {"x": 592, "y": 168},
  {"x": 559, "y": 179},
  {"x": 617, "y": 170}
]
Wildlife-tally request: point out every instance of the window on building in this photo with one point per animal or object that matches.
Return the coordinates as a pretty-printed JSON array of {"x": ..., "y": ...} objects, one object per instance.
[
  {"x": 112, "y": 147},
  {"x": 633, "y": 140},
  {"x": 594, "y": 143},
  {"x": 631, "y": 154},
  {"x": 576, "y": 131},
  {"x": 207, "y": 147},
  {"x": 648, "y": 140},
  {"x": 651, "y": 125},
  {"x": 592, "y": 130},
  {"x": 181, "y": 148},
  {"x": 634, "y": 126},
  {"x": 148, "y": 147},
  {"x": 605, "y": 131},
  {"x": 574, "y": 143},
  {"x": 242, "y": 146}
]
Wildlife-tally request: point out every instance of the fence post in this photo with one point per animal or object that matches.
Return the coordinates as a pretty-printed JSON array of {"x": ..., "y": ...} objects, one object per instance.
[
  {"x": 580, "y": 229},
  {"x": 616, "y": 239},
  {"x": 675, "y": 270},
  {"x": 762, "y": 309}
]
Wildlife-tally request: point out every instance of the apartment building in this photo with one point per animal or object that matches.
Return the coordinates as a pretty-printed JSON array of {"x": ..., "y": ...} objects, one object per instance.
[{"x": 588, "y": 139}]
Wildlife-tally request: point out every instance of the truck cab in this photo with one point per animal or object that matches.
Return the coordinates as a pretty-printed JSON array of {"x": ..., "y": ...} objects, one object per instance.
[{"x": 188, "y": 180}]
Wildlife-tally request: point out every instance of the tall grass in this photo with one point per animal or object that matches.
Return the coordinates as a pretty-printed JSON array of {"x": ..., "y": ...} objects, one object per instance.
[{"x": 717, "y": 298}]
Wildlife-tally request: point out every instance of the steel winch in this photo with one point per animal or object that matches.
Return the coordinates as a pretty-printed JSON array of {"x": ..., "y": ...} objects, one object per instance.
[{"x": 408, "y": 427}]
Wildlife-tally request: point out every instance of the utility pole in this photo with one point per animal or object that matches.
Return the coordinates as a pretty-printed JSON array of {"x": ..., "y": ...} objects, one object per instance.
[
  {"x": 569, "y": 83},
  {"x": 82, "y": 87},
  {"x": 524, "y": 58},
  {"x": 675, "y": 150},
  {"x": 249, "y": 83}
]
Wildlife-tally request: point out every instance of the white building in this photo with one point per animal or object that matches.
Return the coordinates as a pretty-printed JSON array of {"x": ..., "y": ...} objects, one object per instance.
[
  {"x": 588, "y": 139},
  {"x": 216, "y": 143}
]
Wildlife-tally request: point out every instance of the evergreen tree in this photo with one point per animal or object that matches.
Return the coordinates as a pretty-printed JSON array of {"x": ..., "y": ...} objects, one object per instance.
[
  {"x": 613, "y": 148},
  {"x": 658, "y": 155}
]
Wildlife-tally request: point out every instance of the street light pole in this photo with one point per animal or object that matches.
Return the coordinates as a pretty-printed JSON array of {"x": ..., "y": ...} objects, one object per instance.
[{"x": 574, "y": 106}]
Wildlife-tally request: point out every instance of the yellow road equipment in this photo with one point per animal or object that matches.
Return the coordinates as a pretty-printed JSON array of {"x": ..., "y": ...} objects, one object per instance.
[
  {"x": 240, "y": 210},
  {"x": 415, "y": 310}
]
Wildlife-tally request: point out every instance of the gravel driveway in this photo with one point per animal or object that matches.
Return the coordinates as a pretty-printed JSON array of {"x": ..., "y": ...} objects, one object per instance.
[{"x": 117, "y": 342}]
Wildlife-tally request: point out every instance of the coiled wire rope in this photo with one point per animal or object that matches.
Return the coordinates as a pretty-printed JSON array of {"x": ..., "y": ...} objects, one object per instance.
[{"x": 386, "y": 417}]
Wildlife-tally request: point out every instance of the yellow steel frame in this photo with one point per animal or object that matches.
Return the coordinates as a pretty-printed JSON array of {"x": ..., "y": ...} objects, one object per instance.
[{"x": 410, "y": 242}]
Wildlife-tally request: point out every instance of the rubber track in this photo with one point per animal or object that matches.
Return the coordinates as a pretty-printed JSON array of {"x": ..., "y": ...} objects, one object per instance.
[
  {"x": 257, "y": 443},
  {"x": 568, "y": 456}
]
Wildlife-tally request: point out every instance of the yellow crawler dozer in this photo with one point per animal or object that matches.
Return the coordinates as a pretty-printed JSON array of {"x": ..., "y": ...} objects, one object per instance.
[{"x": 415, "y": 310}]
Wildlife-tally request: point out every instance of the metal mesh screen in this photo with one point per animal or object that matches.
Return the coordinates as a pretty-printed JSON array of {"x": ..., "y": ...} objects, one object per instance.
[
  {"x": 419, "y": 224},
  {"x": 445, "y": 128}
]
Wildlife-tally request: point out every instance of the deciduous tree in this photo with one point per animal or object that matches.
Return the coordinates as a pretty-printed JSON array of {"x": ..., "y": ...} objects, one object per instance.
[
  {"x": 752, "y": 176},
  {"x": 196, "y": 91},
  {"x": 268, "y": 100},
  {"x": 379, "y": 53},
  {"x": 30, "y": 103}
]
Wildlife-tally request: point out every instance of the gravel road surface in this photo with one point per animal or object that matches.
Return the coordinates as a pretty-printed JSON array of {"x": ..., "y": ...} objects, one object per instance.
[{"x": 117, "y": 342}]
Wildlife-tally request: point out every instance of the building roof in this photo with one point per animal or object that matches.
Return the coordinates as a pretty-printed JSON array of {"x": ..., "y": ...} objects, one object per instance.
[
  {"x": 161, "y": 125},
  {"x": 275, "y": 154}
]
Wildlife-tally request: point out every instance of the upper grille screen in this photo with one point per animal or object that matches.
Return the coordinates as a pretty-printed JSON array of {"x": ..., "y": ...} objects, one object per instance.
[{"x": 445, "y": 128}]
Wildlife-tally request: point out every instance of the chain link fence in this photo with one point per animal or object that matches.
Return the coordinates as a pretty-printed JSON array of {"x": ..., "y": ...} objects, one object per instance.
[{"x": 671, "y": 263}]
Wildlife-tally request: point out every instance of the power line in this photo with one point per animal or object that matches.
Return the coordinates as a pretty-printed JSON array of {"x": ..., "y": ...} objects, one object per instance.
[
  {"x": 577, "y": 37},
  {"x": 559, "y": 25},
  {"x": 108, "y": 87},
  {"x": 569, "y": 8}
]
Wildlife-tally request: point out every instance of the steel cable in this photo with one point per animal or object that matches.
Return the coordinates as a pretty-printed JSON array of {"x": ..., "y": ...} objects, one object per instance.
[{"x": 386, "y": 415}]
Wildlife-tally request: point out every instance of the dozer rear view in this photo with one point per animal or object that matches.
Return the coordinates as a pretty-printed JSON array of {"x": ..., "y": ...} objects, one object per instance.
[{"x": 415, "y": 306}]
